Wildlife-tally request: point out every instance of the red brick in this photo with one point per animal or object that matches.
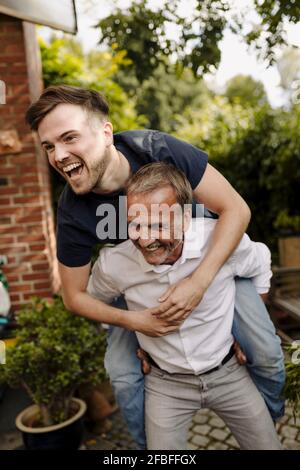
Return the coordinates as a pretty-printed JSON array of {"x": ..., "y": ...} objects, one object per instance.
[
  {"x": 29, "y": 219},
  {"x": 11, "y": 277},
  {"x": 25, "y": 179},
  {"x": 5, "y": 221},
  {"x": 40, "y": 267},
  {"x": 35, "y": 277},
  {"x": 20, "y": 287},
  {"x": 6, "y": 240},
  {"x": 34, "y": 237},
  {"x": 26, "y": 200},
  {"x": 4, "y": 201},
  {"x": 42, "y": 285},
  {"x": 15, "y": 297},
  {"x": 12, "y": 190},
  {"x": 7, "y": 170},
  {"x": 34, "y": 257}
]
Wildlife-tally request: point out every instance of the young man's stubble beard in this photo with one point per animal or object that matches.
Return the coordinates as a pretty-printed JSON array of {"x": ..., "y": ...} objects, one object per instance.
[{"x": 94, "y": 176}]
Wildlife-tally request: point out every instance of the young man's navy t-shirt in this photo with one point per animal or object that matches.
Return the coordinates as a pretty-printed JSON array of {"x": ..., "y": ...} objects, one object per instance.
[{"x": 76, "y": 215}]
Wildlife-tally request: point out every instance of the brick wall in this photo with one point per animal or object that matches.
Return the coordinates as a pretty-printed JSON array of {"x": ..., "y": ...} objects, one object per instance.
[{"x": 26, "y": 218}]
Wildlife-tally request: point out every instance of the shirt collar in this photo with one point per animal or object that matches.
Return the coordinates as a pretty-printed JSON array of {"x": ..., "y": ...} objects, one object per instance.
[{"x": 192, "y": 248}]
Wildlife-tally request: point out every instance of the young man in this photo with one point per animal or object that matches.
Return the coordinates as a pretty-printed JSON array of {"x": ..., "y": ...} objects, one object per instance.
[
  {"x": 195, "y": 366},
  {"x": 75, "y": 132}
]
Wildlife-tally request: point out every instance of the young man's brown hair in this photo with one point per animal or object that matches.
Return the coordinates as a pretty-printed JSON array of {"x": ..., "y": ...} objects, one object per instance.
[{"x": 90, "y": 100}]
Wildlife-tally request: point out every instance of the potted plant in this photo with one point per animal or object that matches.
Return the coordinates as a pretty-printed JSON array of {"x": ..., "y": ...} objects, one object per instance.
[
  {"x": 288, "y": 227},
  {"x": 292, "y": 383},
  {"x": 55, "y": 353}
]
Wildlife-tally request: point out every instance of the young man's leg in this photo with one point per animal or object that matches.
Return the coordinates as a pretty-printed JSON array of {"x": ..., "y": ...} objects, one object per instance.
[
  {"x": 254, "y": 330},
  {"x": 231, "y": 393},
  {"x": 124, "y": 370}
]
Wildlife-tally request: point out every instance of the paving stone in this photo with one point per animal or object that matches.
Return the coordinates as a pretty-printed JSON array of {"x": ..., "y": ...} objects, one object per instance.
[
  {"x": 217, "y": 422},
  {"x": 217, "y": 446},
  {"x": 191, "y": 446},
  {"x": 200, "y": 441},
  {"x": 219, "y": 434},
  {"x": 202, "y": 429},
  {"x": 289, "y": 432},
  {"x": 200, "y": 418},
  {"x": 232, "y": 442},
  {"x": 11, "y": 440},
  {"x": 294, "y": 422},
  {"x": 289, "y": 444}
]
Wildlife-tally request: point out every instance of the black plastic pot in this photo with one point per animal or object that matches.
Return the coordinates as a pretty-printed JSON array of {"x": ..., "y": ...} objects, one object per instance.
[{"x": 66, "y": 435}]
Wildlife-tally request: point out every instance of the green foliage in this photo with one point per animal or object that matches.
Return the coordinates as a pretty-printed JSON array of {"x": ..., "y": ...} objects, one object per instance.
[
  {"x": 292, "y": 383},
  {"x": 257, "y": 150},
  {"x": 164, "y": 95},
  {"x": 270, "y": 32},
  {"x": 247, "y": 91},
  {"x": 284, "y": 221},
  {"x": 142, "y": 32},
  {"x": 64, "y": 62},
  {"x": 56, "y": 352}
]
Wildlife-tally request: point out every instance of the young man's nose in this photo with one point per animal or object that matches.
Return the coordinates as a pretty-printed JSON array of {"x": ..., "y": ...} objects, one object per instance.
[{"x": 61, "y": 154}]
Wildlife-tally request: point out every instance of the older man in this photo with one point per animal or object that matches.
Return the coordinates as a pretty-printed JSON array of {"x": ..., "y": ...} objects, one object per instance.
[{"x": 193, "y": 367}]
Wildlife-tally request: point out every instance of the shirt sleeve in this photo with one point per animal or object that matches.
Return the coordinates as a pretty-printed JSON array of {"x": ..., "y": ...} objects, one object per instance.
[
  {"x": 253, "y": 260},
  {"x": 101, "y": 285}
]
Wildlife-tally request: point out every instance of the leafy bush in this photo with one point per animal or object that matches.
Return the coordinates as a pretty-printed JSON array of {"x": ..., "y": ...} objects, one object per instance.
[
  {"x": 292, "y": 383},
  {"x": 55, "y": 353}
]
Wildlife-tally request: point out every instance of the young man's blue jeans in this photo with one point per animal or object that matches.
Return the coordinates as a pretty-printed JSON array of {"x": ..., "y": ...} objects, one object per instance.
[{"x": 252, "y": 328}]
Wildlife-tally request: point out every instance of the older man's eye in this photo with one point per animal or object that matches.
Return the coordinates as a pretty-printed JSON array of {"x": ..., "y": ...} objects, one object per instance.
[{"x": 70, "y": 138}]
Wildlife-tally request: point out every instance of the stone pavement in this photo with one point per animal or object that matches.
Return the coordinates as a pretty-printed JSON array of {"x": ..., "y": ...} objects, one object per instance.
[{"x": 208, "y": 432}]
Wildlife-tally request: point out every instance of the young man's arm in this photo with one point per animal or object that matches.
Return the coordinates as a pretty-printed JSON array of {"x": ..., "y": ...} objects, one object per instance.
[
  {"x": 216, "y": 193},
  {"x": 75, "y": 297},
  {"x": 253, "y": 260}
]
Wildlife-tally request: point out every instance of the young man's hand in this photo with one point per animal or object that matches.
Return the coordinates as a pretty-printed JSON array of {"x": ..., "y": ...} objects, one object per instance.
[{"x": 148, "y": 324}]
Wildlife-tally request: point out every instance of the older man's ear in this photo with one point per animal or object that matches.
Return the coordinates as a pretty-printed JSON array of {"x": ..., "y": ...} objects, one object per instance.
[{"x": 187, "y": 217}]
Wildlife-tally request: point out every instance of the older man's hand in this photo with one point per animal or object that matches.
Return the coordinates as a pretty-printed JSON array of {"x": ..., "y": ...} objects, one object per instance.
[{"x": 179, "y": 300}]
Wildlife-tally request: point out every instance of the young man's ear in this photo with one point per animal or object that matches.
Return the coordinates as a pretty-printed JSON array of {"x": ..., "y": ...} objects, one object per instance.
[{"x": 108, "y": 132}]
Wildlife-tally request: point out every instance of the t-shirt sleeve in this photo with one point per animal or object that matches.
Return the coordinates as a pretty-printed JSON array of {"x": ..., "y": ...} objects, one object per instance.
[
  {"x": 74, "y": 246},
  {"x": 191, "y": 160}
]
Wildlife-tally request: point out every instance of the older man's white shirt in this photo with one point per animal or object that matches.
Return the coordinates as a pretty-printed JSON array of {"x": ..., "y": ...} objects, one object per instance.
[{"x": 205, "y": 337}]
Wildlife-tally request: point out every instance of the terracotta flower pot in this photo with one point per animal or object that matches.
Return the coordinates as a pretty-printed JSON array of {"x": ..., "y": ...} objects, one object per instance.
[{"x": 65, "y": 435}]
